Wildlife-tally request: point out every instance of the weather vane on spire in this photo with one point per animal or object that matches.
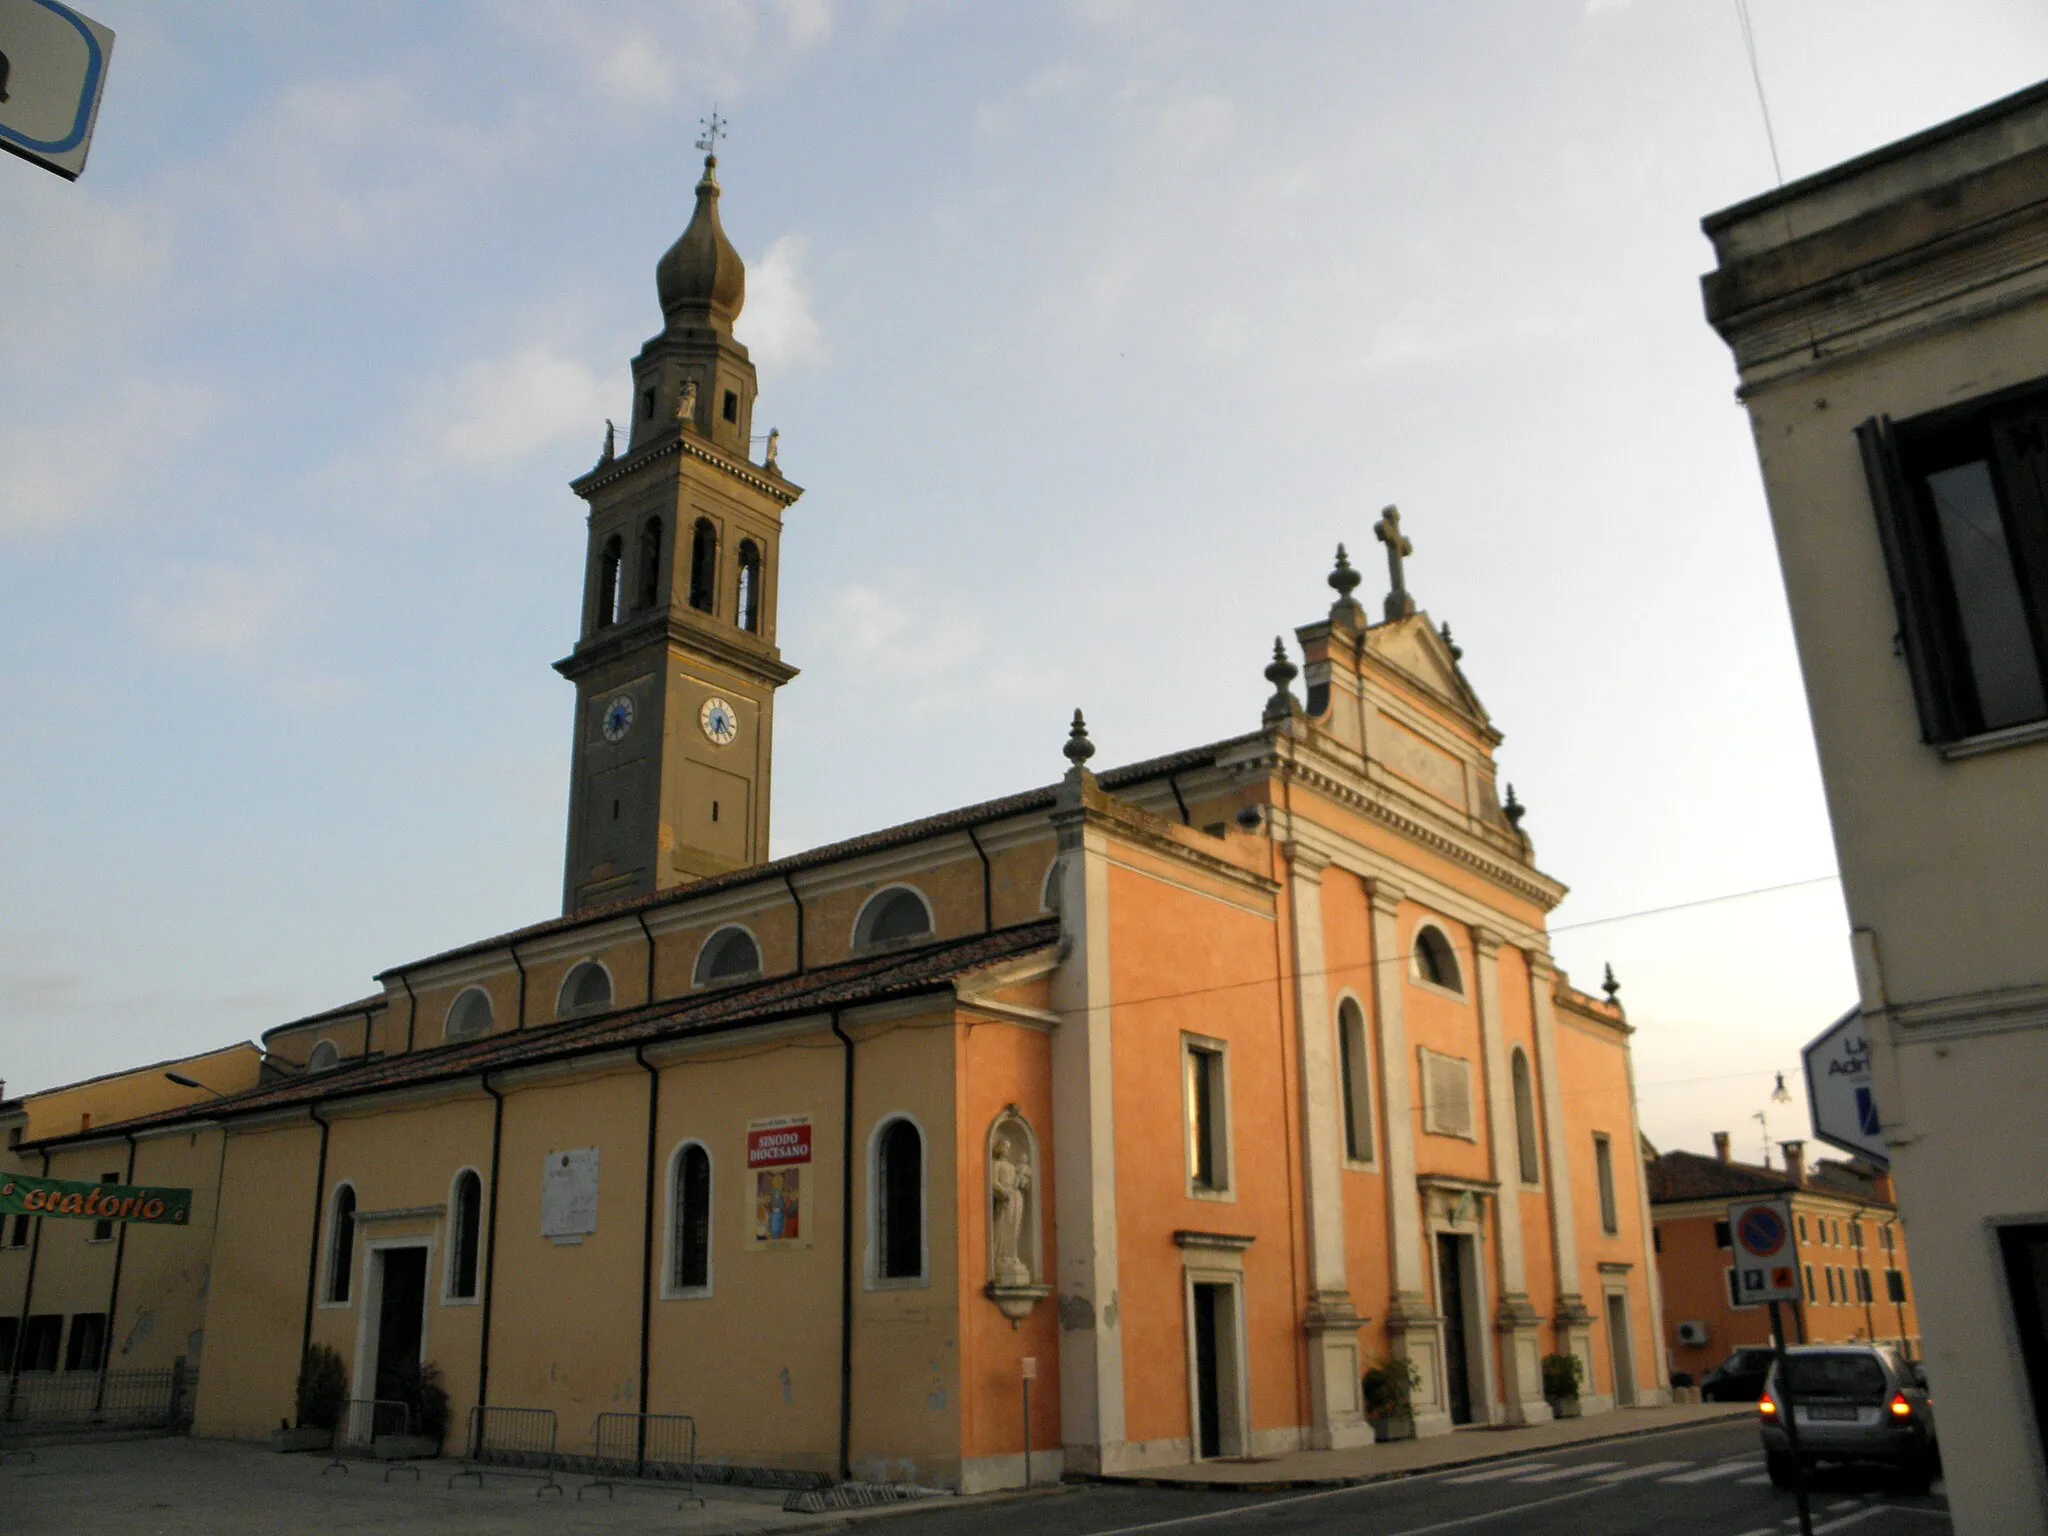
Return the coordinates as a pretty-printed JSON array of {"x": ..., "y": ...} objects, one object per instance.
[{"x": 714, "y": 130}]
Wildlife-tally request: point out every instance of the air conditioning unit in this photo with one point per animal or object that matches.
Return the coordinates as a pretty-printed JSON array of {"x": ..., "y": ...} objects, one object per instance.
[{"x": 1693, "y": 1334}]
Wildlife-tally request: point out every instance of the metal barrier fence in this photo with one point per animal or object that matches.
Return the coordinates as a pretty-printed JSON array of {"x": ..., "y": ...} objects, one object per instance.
[
  {"x": 363, "y": 1422},
  {"x": 643, "y": 1445},
  {"x": 98, "y": 1399},
  {"x": 511, "y": 1440}
]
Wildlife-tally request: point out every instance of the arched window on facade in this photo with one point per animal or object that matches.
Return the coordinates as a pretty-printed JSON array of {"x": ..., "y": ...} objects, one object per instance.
[
  {"x": 728, "y": 955},
  {"x": 609, "y": 561},
  {"x": 899, "y": 1201},
  {"x": 1525, "y": 1116},
  {"x": 587, "y": 986},
  {"x": 897, "y": 913},
  {"x": 465, "y": 1228},
  {"x": 1435, "y": 961},
  {"x": 1049, "y": 893},
  {"x": 690, "y": 1263},
  {"x": 703, "y": 566},
  {"x": 747, "y": 608},
  {"x": 1355, "y": 1069},
  {"x": 469, "y": 1015},
  {"x": 341, "y": 1243},
  {"x": 324, "y": 1057},
  {"x": 650, "y": 564}
]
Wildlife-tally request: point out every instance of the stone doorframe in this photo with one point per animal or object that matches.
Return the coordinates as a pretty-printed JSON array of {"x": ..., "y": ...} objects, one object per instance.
[
  {"x": 1453, "y": 1207},
  {"x": 1217, "y": 1258}
]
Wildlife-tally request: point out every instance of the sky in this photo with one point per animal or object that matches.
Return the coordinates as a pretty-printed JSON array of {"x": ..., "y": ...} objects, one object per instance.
[{"x": 1090, "y": 327}]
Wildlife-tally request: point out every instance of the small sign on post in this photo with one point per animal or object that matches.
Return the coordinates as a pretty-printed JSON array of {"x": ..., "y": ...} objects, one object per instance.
[
  {"x": 53, "y": 66},
  {"x": 1766, "y": 1268}
]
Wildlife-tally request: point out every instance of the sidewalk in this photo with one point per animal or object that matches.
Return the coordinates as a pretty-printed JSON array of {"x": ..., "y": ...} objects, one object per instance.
[{"x": 1405, "y": 1458}]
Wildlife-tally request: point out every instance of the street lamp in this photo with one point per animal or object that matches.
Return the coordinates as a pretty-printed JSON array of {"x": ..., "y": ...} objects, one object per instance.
[{"x": 185, "y": 1082}]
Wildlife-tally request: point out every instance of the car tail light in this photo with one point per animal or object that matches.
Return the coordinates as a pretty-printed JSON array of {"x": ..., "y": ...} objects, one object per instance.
[
  {"x": 1901, "y": 1409},
  {"x": 1767, "y": 1407}
]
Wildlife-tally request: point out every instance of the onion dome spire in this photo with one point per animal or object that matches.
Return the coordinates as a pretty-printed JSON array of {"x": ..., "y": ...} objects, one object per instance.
[{"x": 700, "y": 279}]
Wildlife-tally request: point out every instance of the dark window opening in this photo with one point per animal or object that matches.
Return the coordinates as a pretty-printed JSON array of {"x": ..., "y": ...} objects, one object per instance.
[
  {"x": 1962, "y": 502},
  {"x": 732, "y": 406},
  {"x": 1435, "y": 961},
  {"x": 18, "y": 1238},
  {"x": 1351, "y": 1056},
  {"x": 1603, "y": 1170},
  {"x": 703, "y": 566},
  {"x": 898, "y": 914},
  {"x": 88, "y": 1342},
  {"x": 1721, "y": 1238},
  {"x": 10, "y": 1329},
  {"x": 1208, "y": 1159},
  {"x": 650, "y": 563},
  {"x": 900, "y": 1184},
  {"x": 615, "y": 810},
  {"x": 747, "y": 610},
  {"x": 103, "y": 1231},
  {"x": 589, "y": 985},
  {"x": 1894, "y": 1285},
  {"x": 469, "y": 1200},
  {"x": 1525, "y": 1117},
  {"x": 714, "y": 810},
  {"x": 341, "y": 1244},
  {"x": 693, "y": 1220},
  {"x": 608, "y": 562},
  {"x": 728, "y": 954},
  {"x": 647, "y": 405},
  {"x": 40, "y": 1341}
]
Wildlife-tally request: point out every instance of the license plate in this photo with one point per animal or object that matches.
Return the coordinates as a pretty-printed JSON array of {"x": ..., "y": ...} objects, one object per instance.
[{"x": 1842, "y": 1415}]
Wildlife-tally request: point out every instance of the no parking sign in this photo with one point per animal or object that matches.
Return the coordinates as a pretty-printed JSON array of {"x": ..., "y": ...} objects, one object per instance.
[{"x": 1766, "y": 1268}]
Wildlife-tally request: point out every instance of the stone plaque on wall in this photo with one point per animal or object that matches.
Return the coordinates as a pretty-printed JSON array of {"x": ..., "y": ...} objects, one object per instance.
[{"x": 568, "y": 1195}]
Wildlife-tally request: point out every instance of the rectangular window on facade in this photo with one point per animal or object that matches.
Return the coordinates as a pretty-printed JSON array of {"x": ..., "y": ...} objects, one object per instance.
[
  {"x": 1811, "y": 1295},
  {"x": 1721, "y": 1238},
  {"x": 17, "y": 1232},
  {"x": 1894, "y": 1285},
  {"x": 1802, "y": 1228},
  {"x": 1447, "y": 1096},
  {"x": 1856, "y": 1234},
  {"x": 40, "y": 1341},
  {"x": 1207, "y": 1111},
  {"x": 1827, "y": 1275},
  {"x": 1962, "y": 509},
  {"x": 1863, "y": 1285},
  {"x": 10, "y": 1330},
  {"x": 87, "y": 1343},
  {"x": 1603, "y": 1169},
  {"x": 103, "y": 1231}
]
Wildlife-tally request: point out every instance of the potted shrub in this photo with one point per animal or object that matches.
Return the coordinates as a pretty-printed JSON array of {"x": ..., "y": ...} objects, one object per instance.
[
  {"x": 1683, "y": 1388},
  {"x": 1390, "y": 1397},
  {"x": 322, "y": 1399},
  {"x": 1562, "y": 1375},
  {"x": 421, "y": 1390}
]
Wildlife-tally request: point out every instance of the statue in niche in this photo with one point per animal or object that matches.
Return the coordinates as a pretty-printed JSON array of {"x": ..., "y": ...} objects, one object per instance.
[
  {"x": 686, "y": 404},
  {"x": 1009, "y": 1181}
]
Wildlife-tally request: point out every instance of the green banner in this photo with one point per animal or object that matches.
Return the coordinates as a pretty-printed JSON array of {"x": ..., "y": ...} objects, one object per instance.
[{"x": 21, "y": 1195}]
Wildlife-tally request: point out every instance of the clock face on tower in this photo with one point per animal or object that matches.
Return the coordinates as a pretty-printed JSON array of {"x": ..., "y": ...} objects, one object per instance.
[
  {"x": 721, "y": 722},
  {"x": 618, "y": 718}
]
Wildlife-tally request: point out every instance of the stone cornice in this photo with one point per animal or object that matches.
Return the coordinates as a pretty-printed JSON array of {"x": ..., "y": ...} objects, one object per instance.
[
  {"x": 687, "y": 445},
  {"x": 763, "y": 665},
  {"x": 1096, "y": 807}
]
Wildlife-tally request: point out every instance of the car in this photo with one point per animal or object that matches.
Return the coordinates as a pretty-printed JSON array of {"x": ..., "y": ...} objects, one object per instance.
[
  {"x": 1739, "y": 1378},
  {"x": 1858, "y": 1404}
]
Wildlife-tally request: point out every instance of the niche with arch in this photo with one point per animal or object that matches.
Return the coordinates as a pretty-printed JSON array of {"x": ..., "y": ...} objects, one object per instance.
[
  {"x": 730, "y": 954},
  {"x": 586, "y": 988},
  {"x": 892, "y": 916},
  {"x": 468, "y": 1016}
]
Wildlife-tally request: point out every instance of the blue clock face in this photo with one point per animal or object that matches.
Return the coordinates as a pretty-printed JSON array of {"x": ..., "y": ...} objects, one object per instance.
[
  {"x": 618, "y": 718},
  {"x": 719, "y": 720}
]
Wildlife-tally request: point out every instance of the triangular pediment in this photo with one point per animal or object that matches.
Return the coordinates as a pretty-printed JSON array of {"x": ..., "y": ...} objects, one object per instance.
[{"x": 1412, "y": 647}]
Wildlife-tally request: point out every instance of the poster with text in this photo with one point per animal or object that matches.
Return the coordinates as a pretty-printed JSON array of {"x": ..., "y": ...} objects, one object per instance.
[{"x": 778, "y": 1151}]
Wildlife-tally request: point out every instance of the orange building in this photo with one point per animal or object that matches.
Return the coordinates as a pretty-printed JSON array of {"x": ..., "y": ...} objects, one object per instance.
[
  {"x": 1189, "y": 1087},
  {"x": 1851, "y": 1254}
]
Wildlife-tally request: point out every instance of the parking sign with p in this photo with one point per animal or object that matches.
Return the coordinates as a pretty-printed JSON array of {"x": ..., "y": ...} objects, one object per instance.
[{"x": 1766, "y": 1268}]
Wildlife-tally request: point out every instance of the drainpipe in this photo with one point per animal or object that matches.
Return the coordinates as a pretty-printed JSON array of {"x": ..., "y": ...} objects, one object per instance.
[
  {"x": 647, "y": 1240},
  {"x": 1173, "y": 783},
  {"x": 412, "y": 1009},
  {"x": 845, "y": 1259},
  {"x": 99, "y": 1391},
  {"x": 28, "y": 1290},
  {"x": 799, "y": 903},
  {"x": 366, "y": 1034},
  {"x": 647, "y": 934},
  {"x": 483, "y": 1356},
  {"x": 519, "y": 1019},
  {"x": 319, "y": 1210},
  {"x": 987, "y": 908}
]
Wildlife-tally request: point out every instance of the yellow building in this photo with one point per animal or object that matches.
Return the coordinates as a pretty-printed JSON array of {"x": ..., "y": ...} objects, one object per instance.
[{"x": 1186, "y": 1090}]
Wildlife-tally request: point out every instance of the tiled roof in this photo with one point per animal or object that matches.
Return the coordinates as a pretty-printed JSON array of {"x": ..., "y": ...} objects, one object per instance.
[
  {"x": 376, "y": 1002},
  {"x": 874, "y": 978},
  {"x": 1029, "y": 800},
  {"x": 1678, "y": 1176}
]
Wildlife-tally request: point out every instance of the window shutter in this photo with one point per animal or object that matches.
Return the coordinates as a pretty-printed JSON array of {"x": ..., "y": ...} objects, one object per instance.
[{"x": 1923, "y": 632}]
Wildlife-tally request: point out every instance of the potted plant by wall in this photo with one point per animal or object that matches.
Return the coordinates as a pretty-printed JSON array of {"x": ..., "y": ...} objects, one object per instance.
[
  {"x": 421, "y": 1390},
  {"x": 1562, "y": 1375},
  {"x": 1390, "y": 1397},
  {"x": 322, "y": 1399}
]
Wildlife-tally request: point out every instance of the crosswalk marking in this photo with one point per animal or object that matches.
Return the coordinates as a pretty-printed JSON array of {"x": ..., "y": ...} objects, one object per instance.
[
  {"x": 1581, "y": 1469},
  {"x": 1647, "y": 1469},
  {"x": 1493, "y": 1473},
  {"x": 1719, "y": 1469}
]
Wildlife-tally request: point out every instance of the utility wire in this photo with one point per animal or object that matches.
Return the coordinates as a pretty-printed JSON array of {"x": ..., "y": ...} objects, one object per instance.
[{"x": 1757, "y": 74}]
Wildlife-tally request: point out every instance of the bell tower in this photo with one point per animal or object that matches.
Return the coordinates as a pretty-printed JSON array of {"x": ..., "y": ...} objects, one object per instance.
[{"x": 676, "y": 665}]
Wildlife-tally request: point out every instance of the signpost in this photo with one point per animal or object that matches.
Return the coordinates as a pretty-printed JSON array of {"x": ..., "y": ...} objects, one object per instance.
[
  {"x": 1030, "y": 1374},
  {"x": 53, "y": 66},
  {"x": 1767, "y": 1270},
  {"x": 1839, "y": 1091}
]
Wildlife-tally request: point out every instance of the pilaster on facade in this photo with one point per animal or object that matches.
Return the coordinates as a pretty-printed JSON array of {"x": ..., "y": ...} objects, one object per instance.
[
  {"x": 1336, "y": 1404},
  {"x": 1572, "y": 1320},
  {"x": 1415, "y": 1333},
  {"x": 1522, "y": 1380},
  {"x": 1084, "y": 1144}
]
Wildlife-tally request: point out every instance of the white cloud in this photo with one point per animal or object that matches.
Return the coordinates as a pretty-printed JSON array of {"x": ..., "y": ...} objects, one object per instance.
[
  {"x": 500, "y": 411},
  {"x": 922, "y": 644},
  {"x": 781, "y": 330},
  {"x": 806, "y": 23},
  {"x": 59, "y": 473},
  {"x": 1595, "y": 7},
  {"x": 218, "y": 608}
]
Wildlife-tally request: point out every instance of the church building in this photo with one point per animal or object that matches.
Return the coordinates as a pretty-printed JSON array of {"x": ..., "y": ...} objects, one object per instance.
[{"x": 1186, "y": 1090}]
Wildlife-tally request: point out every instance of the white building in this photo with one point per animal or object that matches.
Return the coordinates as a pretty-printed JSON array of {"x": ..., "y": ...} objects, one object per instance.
[{"x": 1889, "y": 319}]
